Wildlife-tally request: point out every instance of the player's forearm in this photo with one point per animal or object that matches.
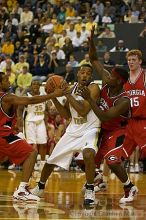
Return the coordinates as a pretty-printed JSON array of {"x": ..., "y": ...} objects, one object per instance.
[
  {"x": 98, "y": 67},
  {"x": 77, "y": 105},
  {"x": 103, "y": 116},
  {"x": 64, "y": 112}
]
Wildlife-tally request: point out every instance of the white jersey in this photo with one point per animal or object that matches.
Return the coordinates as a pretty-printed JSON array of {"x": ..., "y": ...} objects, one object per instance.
[
  {"x": 79, "y": 125},
  {"x": 35, "y": 112}
]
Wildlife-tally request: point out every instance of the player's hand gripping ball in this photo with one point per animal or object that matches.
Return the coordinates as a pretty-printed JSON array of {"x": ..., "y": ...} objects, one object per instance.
[{"x": 54, "y": 82}]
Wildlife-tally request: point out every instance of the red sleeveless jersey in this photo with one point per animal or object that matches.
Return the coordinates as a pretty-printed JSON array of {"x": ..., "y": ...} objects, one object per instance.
[
  {"x": 137, "y": 95},
  {"x": 106, "y": 102},
  {"x": 6, "y": 122}
]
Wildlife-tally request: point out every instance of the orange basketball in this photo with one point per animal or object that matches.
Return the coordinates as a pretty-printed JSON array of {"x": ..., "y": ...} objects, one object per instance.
[{"x": 53, "y": 82}]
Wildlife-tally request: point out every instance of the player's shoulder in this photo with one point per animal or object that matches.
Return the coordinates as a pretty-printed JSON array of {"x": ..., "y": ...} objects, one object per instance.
[{"x": 93, "y": 85}]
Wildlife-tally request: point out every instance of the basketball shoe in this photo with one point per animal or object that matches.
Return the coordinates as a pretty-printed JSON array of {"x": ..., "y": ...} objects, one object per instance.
[
  {"x": 130, "y": 193},
  {"x": 99, "y": 184},
  {"x": 89, "y": 197},
  {"x": 37, "y": 192},
  {"x": 22, "y": 193}
]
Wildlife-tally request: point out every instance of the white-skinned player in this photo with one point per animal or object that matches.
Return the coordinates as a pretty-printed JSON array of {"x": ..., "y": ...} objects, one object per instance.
[{"x": 81, "y": 134}]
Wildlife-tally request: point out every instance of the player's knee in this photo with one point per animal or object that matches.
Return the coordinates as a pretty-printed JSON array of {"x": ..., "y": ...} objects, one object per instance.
[{"x": 111, "y": 160}]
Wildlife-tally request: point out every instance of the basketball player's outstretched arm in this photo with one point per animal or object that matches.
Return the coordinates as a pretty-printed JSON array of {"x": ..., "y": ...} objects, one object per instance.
[
  {"x": 102, "y": 73},
  {"x": 13, "y": 100},
  {"x": 83, "y": 107},
  {"x": 121, "y": 107}
]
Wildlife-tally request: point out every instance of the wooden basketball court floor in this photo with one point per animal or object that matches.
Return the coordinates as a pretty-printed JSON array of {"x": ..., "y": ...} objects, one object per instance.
[{"x": 64, "y": 200}]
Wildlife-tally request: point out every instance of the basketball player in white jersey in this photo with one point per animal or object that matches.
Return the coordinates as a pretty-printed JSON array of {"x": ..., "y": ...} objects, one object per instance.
[
  {"x": 35, "y": 123},
  {"x": 81, "y": 134}
]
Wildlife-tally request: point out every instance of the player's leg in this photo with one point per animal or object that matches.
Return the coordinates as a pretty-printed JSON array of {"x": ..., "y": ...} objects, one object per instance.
[
  {"x": 89, "y": 153},
  {"x": 41, "y": 138},
  {"x": 19, "y": 151},
  {"x": 61, "y": 156},
  {"x": 114, "y": 160}
]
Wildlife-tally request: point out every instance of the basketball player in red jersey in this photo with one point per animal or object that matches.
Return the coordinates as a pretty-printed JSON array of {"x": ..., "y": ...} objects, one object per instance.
[
  {"x": 115, "y": 107},
  {"x": 136, "y": 129},
  {"x": 11, "y": 146}
]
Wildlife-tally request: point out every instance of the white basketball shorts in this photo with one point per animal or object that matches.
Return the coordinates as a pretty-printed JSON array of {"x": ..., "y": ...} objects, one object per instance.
[
  {"x": 35, "y": 132},
  {"x": 68, "y": 145}
]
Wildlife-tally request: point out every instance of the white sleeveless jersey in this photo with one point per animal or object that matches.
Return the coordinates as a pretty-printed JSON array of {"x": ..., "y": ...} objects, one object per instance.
[
  {"x": 79, "y": 125},
  {"x": 34, "y": 112}
]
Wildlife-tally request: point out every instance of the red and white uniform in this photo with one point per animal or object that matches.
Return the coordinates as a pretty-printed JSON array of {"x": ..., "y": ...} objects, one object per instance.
[
  {"x": 11, "y": 146},
  {"x": 113, "y": 131},
  {"x": 136, "y": 128}
]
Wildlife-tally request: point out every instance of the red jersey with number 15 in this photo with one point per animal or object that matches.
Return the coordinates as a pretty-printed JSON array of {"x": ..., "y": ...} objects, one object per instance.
[
  {"x": 137, "y": 95},
  {"x": 106, "y": 102},
  {"x": 7, "y": 122}
]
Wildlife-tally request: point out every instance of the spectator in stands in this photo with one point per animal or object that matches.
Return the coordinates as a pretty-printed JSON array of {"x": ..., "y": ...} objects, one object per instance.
[
  {"x": 7, "y": 62},
  {"x": 110, "y": 10},
  {"x": 85, "y": 33},
  {"x": 53, "y": 61},
  {"x": 106, "y": 19},
  {"x": 35, "y": 30},
  {"x": 38, "y": 46},
  {"x": 68, "y": 74},
  {"x": 85, "y": 46},
  {"x": 17, "y": 50},
  {"x": 19, "y": 66},
  {"x": 8, "y": 47},
  {"x": 127, "y": 16},
  {"x": 99, "y": 7},
  {"x": 26, "y": 16},
  {"x": 78, "y": 25},
  {"x": 61, "y": 15},
  {"x": 143, "y": 33},
  {"x": 71, "y": 32},
  {"x": 41, "y": 69},
  {"x": 73, "y": 61},
  {"x": 67, "y": 23},
  {"x": 47, "y": 27},
  {"x": 23, "y": 81},
  {"x": 86, "y": 60},
  {"x": 9, "y": 27},
  {"x": 101, "y": 47},
  {"x": 27, "y": 46},
  {"x": 58, "y": 28},
  {"x": 107, "y": 33},
  {"x": 60, "y": 53},
  {"x": 77, "y": 40},
  {"x": 107, "y": 62},
  {"x": 12, "y": 78},
  {"x": 70, "y": 11},
  {"x": 119, "y": 47},
  {"x": 90, "y": 23},
  {"x": 62, "y": 38},
  {"x": 68, "y": 47}
]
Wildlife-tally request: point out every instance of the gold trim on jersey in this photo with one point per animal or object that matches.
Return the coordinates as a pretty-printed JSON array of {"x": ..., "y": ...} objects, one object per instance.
[
  {"x": 39, "y": 113},
  {"x": 79, "y": 121}
]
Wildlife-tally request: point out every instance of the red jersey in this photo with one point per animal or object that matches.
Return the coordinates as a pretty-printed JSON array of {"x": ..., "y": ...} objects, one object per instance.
[
  {"x": 106, "y": 102},
  {"x": 137, "y": 95},
  {"x": 6, "y": 122}
]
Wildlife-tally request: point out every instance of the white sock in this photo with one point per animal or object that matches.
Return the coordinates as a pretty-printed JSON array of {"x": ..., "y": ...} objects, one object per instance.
[
  {"x": 127, "y": 182},
  {"x": 23, "y": 184}
]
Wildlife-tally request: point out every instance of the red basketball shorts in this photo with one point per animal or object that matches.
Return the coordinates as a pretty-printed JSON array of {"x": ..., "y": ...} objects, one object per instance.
[
  {"x": 16, "y": 149},
  {"x": 109, "y": 141},
  {"x": 135, "y": 136}
]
